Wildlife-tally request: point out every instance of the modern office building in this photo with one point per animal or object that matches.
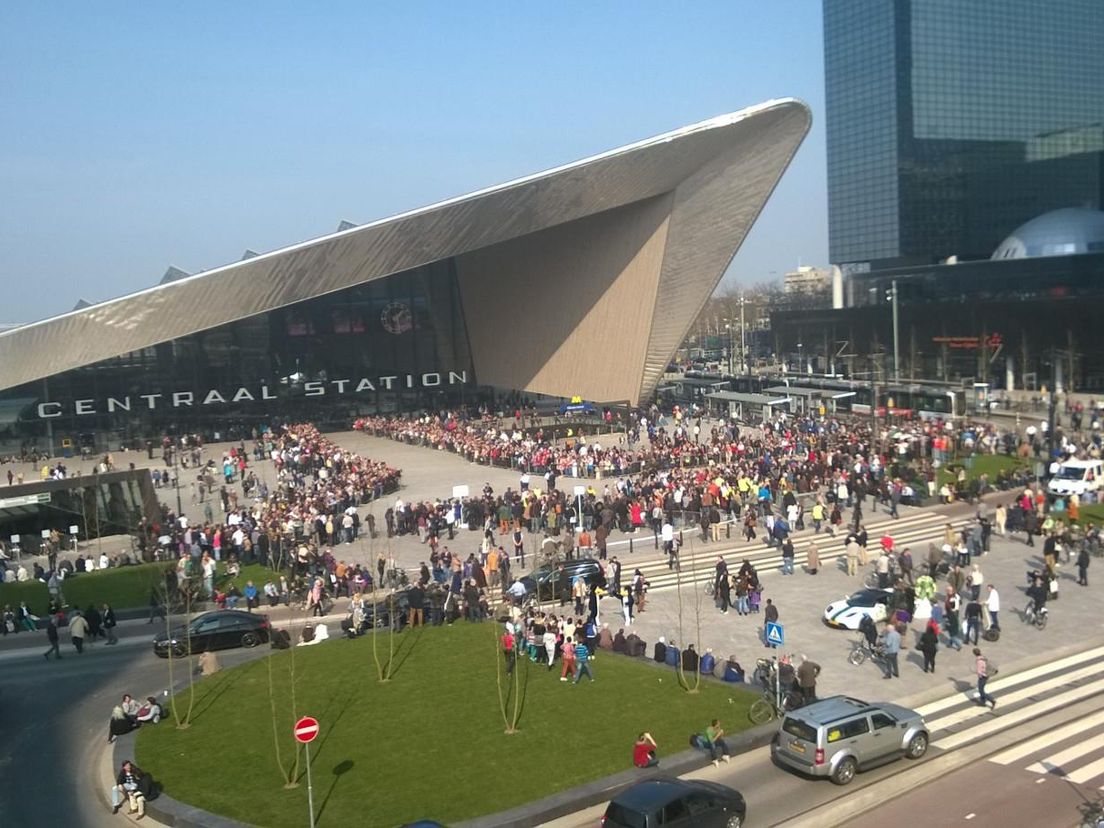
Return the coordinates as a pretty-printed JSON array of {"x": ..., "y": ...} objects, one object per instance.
[
  {"x": 950, "y": 124},
  {"x": 965, "y": 177},
  {"x": 580, "y": 281}
]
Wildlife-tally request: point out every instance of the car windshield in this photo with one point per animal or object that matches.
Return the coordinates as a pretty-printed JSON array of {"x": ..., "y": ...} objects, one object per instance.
[
  {"x": 866, "y": 598},
  {"x": 1070, "y": 473}
]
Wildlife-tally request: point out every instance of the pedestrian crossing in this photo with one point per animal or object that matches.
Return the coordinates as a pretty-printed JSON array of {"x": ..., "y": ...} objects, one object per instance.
[
  {"x": 697, "y": 559},
  {"x": 1072, "y": 752}
]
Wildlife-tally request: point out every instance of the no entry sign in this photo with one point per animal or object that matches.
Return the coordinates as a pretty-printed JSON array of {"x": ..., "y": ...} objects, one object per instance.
[{"x": 306, "y": 729}]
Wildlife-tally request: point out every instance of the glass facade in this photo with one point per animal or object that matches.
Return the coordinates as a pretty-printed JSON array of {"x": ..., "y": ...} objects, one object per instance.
[
  {"x": 951, "y": 123},
  {"x": 391, "y": 344}
]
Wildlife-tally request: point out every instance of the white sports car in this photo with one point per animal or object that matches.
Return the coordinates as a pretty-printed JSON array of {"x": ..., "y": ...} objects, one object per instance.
[{"x": 848, "y": 612}]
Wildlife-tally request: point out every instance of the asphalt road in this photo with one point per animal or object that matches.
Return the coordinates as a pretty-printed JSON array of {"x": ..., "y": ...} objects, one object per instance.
[
  {"x": 1034, "y": 761},
  {"x": 53, "y": 726}
]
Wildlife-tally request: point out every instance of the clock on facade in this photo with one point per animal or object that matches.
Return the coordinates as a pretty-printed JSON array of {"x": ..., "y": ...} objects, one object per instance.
[{"x": 396, "y": 318}]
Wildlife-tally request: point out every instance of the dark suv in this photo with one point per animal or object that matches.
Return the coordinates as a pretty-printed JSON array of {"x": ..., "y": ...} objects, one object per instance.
[
  {"x": 666, "y": 801},
  {"x": 551, "y": 580}
]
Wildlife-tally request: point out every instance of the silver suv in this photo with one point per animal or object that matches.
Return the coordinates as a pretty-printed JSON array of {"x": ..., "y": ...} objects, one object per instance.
[{"x": 839, "y": 736}]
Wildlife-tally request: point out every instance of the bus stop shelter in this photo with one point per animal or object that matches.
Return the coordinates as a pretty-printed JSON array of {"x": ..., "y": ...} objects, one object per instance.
[{"x": 746, "y": 408}]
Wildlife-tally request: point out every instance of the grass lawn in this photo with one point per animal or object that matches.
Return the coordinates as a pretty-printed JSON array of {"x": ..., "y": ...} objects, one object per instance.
[
  {"x": 126, "y": 587},
  {"x": 989, "y": 464},
  {"x": 429, "y": 744}
]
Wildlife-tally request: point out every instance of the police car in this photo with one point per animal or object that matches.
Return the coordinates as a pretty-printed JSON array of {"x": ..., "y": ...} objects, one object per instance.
[{"x": 848, "y": 612}]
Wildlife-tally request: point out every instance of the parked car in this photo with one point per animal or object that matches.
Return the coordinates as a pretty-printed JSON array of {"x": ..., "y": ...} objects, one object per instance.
[
  {"x": 551, "y": 579},
  {"x": 840, "y": 736},
  {"x": 667, "y": 801},
  {"x": 848, "y": 612},
  {"x": 1077, "y": 477},
  {"x": 219, "y": 630}
]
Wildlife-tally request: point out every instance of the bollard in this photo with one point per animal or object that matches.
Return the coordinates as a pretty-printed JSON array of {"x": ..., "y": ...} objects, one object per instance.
[{"x": 630, "y": 545}]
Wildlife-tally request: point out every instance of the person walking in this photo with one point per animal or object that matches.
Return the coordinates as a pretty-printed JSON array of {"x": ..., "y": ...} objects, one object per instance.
[
  {"x": 78, "y": 630},
  {"x": 52, "y": 637},
  {"x": 568, "y": 658},
  {"x": 582, "y": 663},
  {"x": 891, "y": 641},
  {"x": 109, "y": 623},
  {"x": 984, "y": 671},
  {"x": 992, "y": 604},
  {"x": 928, "y": 645},
  {"x": 807, "y": 672}
]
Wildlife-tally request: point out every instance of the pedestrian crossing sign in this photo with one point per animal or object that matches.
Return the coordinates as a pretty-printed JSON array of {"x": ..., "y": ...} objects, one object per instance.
[{"x": 774, "y": 634}]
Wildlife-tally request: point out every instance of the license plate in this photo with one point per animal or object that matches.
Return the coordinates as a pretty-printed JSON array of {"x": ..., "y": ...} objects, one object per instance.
[{"x": 797, "y": 747}]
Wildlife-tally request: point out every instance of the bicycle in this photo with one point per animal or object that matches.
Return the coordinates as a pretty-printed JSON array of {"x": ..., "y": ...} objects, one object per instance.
[
  {"x": 1037, "y": 618},
  {"x": 863, "y": 650},
  {"x": 769, "y": 705}
]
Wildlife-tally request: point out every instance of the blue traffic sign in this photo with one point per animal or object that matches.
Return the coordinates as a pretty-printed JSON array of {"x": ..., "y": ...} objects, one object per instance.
[{"x": 775, "y": 636}]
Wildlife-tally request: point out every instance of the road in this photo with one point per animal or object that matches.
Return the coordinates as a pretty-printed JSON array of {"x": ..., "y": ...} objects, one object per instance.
[
  {"x": 53, "y": 725},
  {"x": 1047, "y": 717}
]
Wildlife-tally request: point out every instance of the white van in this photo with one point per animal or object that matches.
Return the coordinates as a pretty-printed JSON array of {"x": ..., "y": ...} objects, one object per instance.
[{"x": 1077, "y": 477}]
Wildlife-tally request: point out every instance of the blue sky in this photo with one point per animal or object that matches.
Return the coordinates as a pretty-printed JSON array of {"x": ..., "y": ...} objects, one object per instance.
[{"x": 138, "y": 135}]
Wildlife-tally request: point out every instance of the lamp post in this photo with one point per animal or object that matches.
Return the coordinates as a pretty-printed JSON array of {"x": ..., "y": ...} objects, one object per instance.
[
  {"x": 728, "y": 346},
  {"x": 743, "y": 339},
  {"x": 896, "y": 345}
]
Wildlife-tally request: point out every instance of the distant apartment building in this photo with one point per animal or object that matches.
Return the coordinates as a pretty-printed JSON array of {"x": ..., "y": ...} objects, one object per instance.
[{"x": 808, "y": 281}]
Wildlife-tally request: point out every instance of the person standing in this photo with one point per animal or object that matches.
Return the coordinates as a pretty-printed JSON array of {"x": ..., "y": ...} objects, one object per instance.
[
  {"x": 992, "y": 604},
  {"x": 109, "y": 622},
  {"x": 78, "y": 630},
  {"x": 508, "y": 649},
  {"x": 568, "y": 652},
  {"x": 928, "y": 645},
  {"x": 52, "y": 637},
  {"x": 973, "y": 620},
  {"x": 787, "y": 556},
  {"x": 852, "y": 556},
  {"x": 984, "y": 671},
  {"x": 770, "y": 615},
  {"x": 1083, "y": 566},
  {"x": 519, "y": 547},
  {"x": 951, "y": 608},
  {"x": 891, "y": 641},
  {"x": 812, "y": 562},
  {"x": 807, "y": 672}
]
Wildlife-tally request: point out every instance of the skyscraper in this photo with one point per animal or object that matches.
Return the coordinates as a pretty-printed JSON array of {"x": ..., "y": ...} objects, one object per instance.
[{"x": 952, "y": 122}]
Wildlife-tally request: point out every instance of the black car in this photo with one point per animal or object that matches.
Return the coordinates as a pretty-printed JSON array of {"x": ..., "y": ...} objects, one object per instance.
[
  {"x": 553, "y": 580},
  {"x": 219, "y": 630},
  {"x": 668, "y": 801}
]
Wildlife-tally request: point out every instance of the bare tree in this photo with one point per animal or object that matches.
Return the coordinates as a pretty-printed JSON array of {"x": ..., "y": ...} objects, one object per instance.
[{"x": 510, "y": 718}]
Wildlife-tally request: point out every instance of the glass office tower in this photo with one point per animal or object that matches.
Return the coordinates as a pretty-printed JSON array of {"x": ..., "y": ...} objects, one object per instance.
[{"x": 951, "y": 123}]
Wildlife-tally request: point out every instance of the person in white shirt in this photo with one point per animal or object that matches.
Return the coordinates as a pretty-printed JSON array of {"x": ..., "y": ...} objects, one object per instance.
[{"x": 992, "y": 603}]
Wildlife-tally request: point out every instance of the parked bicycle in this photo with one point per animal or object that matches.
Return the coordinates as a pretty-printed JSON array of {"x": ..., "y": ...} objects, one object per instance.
[{"x": 772, "y": 704}]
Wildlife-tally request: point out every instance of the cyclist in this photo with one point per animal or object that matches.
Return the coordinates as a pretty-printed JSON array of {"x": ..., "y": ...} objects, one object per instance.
[
  {"x": 869, "y": 630},
  {"x": 1037, "y": 592}
]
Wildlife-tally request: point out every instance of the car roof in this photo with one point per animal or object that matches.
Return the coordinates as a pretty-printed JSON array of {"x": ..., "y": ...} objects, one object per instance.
[
  {"x": 651, "y": 793},
  {"x": 1080, "y": 464},
  {"x": 831, "y": 709}
]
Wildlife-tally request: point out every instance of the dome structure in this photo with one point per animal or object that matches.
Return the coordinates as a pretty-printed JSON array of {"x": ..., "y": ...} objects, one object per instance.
[{"x": 1064, "y": 232}]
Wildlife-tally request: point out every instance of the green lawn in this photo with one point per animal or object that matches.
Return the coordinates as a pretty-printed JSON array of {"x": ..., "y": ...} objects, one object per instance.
[
  {"x": 124, "y": 588},
  {"x": 989, "y": 464},
  {"x": 429, "y": 744}
]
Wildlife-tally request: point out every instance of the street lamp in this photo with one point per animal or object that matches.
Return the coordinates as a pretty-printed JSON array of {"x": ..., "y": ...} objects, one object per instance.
[{"x": 891, "y": 295}]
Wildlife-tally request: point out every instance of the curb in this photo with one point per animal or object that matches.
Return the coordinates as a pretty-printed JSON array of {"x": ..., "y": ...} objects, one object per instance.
[{"x": 602, "y": 790}]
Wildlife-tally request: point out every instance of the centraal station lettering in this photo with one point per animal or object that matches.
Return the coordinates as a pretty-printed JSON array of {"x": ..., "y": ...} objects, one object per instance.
[{"x": 245, "y": 394}]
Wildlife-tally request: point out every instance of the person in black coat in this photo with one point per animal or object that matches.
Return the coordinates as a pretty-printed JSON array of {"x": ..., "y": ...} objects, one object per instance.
[
  {"x": 660, "y": 652},
  {"x": 131, "y": 785}
]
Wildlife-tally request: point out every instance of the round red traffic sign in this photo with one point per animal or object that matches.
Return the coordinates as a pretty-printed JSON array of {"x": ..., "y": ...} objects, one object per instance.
[{"x": 306, "y": 729}]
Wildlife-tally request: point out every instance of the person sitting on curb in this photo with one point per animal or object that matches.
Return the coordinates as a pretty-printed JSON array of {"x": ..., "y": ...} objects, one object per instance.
[
  {"x": 644, "y": 751},
  {"x": 712, "y": 741},
  {"x": 133, "y": 785}
]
